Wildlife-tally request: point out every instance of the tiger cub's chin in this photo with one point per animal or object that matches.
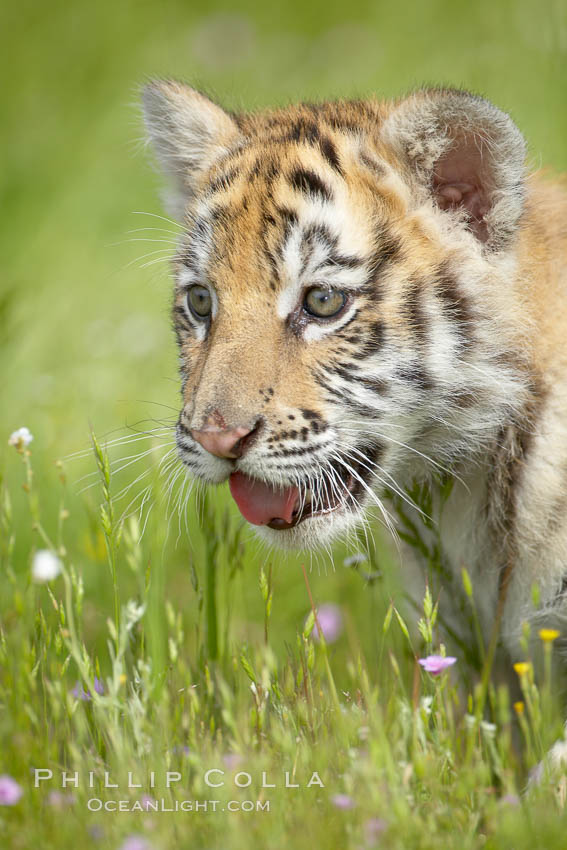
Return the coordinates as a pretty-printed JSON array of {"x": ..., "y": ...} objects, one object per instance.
[{"x": 314, "y": 533}]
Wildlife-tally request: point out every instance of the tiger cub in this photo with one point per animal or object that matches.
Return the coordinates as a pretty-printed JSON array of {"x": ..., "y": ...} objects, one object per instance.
[{"x": 369, "y": 294}]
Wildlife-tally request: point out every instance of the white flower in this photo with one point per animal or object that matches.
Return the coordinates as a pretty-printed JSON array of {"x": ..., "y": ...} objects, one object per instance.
[
  {"x": 46, "y": 566},
  {"x": 20, "y": 438}
]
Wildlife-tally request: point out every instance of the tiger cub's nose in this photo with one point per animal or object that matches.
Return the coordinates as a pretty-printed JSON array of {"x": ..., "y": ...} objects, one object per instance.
[{"x": 224, "y": 442}]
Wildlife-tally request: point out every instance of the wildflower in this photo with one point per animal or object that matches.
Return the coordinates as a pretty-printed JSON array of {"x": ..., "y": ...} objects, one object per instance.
[
  {"x": 510, "y": 800},
  {"x": 135, "y": 842},
  {"x": 10, "y": 791},
  {"x": 59, "y": 800},
  {"x": 435, "y": 664},
  {"x": 80, "y": 693},
  {"x": 20, "y": 439},
  {"x": 373, "y": 828},
  {"x": 548, "y": 635},
  {"x": 330, "y": 619},
  {"x": 519, "y": 707},
  {"x": 46, "y": 566},
  {"x": 522, "y": 667},
  {"x": 342, "y": 801},
  {"x": 147, "y": 802}
]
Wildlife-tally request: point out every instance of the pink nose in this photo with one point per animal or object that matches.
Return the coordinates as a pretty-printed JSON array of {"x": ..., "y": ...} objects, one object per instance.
[{"x": 222, "y": 442}]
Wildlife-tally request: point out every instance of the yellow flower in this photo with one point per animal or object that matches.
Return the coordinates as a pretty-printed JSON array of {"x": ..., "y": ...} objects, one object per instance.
[
  {"x": 123, "y": 679},
  {"x": 519, "y": 707},
  {"x": 522, "y": 667},
  {"x": 548, "y": 635}
]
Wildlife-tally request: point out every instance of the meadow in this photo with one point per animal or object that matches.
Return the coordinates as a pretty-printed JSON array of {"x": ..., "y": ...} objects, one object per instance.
[{"x": 167, "y": 642}]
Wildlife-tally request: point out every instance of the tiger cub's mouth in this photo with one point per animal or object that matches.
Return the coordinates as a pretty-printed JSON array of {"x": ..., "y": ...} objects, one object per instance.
[{"x": 281, "y": 508}]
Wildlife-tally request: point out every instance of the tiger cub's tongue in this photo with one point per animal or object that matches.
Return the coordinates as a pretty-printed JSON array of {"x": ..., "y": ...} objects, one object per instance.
[{"x": 259, "y": 502}]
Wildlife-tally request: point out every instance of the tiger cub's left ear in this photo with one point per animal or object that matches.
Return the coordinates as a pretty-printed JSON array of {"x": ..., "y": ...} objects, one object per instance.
[
  {"x": 467, "y": 153},
  {"x": 188, "y": 132}
]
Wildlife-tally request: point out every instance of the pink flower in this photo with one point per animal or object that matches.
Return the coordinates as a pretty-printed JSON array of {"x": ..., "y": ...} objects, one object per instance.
[
  {"x": 435, "y": 664},
  {"x": 59, "y": 800},
  {"x": 331, "y": 621},
  {"x": 10, "y": 791},
  {"x": 342, "y": 801},
  {"x": 373, "y": 828},
  {"x": 148, "y": 802},
  {"x": 135, "y": 842}
]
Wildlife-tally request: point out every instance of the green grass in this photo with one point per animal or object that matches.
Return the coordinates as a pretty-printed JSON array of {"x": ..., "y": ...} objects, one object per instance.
[
  {"x": 179, "y": 622},
  {"x": 228, "y": 676}
]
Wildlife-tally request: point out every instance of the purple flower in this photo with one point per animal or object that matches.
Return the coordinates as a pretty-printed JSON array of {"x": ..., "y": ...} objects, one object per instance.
[
  {"x": 148, "y": 802},
  {"x": 59, "y": 800},
  {"x": 330, "y": 619},
  {"x": 79, "y": 692},
  {"x": 179, "y": 750},
  {"x": 10, "y": 791},
  {"x": 373, "y": 828},
  {"x": 135, "y": 842},
  {"x": 510, "y": 800},
  {"x": 435, "y": 664},
  {"x": 342, "y": 801}
]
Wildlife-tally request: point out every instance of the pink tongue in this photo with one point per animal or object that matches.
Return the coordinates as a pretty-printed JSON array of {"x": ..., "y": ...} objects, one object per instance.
[{"x": 260, "y": 503}]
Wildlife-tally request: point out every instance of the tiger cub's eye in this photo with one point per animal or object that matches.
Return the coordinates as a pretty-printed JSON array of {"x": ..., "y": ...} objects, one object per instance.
[
  {"x": 199, "y": 301},
  {"x": 323, "y": 302}
]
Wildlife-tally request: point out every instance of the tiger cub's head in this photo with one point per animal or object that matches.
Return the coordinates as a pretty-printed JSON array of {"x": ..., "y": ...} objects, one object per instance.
[{"x": 342, "y": 303}]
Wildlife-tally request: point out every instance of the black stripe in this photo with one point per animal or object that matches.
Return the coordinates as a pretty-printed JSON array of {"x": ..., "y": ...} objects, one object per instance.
[
  {"x": 387, "y": 250},
  {"x": 320, "y": 232},
  {"x": 306, "y": 181},
  {"x": 377, "y": 385},
  {"x": 330, "y": 153},
  {"x": 353, "y": 318},
  {"x": 223, "y": 181},
  {"x": 305, "y": 450},
  {"x": 303, "y": 131},
  {"x": 190, "y": 259},
  {"x": 288, "y": 215},
  {"x": 373, "y": 165},
  {"x": 456, "y": 306},
  {"x": 342, "y": 370},
  {"x": 417, "y": 375},
  {"x": 417, "y": 317},
  {"x": 181, "y": 315},
  {"x": 346, "y": 262},
  {"x": 348, "y": 400},
  {"x": 372, "y": 343}
]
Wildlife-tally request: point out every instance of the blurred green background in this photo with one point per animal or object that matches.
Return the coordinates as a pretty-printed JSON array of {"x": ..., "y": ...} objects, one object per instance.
[{"x": 84, "y": 326}]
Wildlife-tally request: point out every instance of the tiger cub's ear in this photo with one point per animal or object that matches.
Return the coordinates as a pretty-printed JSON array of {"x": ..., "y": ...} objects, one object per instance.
[
  {"x": 188, "y": 132},
  {"x": 465, "y": 152}
]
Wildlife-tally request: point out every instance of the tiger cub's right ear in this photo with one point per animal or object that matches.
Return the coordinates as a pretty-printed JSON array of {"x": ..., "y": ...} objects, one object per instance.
[{"x": 188, "y": 133}]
